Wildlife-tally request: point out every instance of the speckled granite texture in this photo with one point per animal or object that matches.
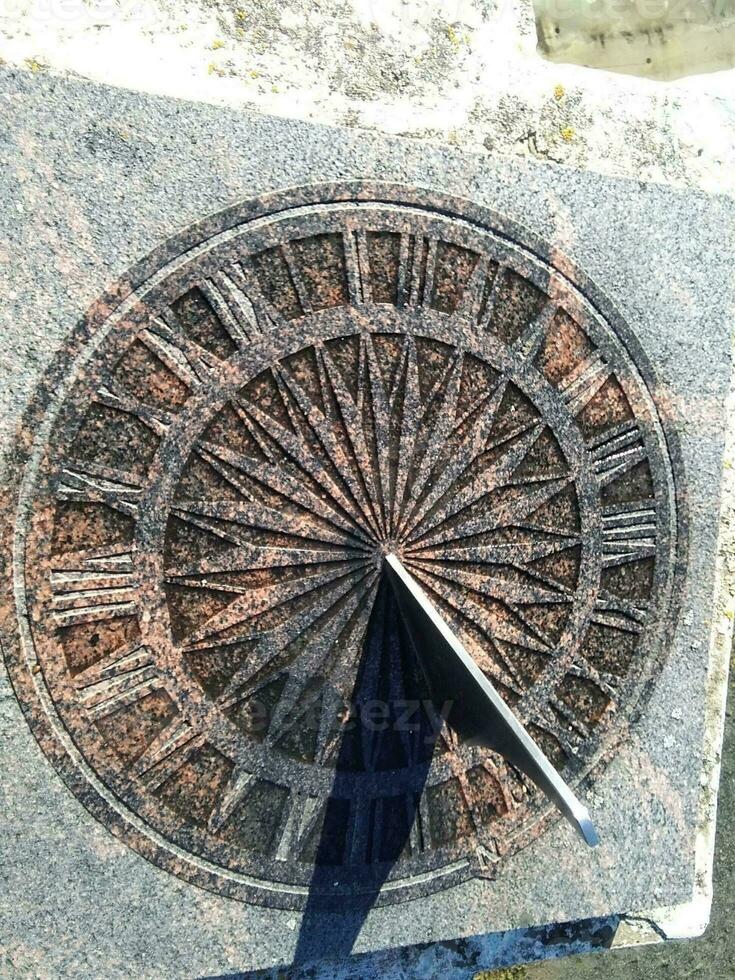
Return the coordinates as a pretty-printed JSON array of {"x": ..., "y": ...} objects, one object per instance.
[{"x": 92, "y": 179}]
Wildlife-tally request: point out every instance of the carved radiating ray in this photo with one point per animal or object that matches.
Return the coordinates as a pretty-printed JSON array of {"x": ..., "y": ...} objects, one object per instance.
[
  {"x": 410, "y": 407},
  {"x": 380, "y": 414},
  {"x": 251, "y": 603},
  {"x": 340, "y": 471},
  {"x": 267, "y": 646},
  {"x": 315, "y": 654},
  {"x": 285, "y": 485},
  {"x": 350, "y": 418},
  {"x": 497, "y": 587},
  {"x": 301, "y": 456},
  {"x": 520, "y": 552},
  {"x": 515, "y": 512},
  {"x": 467, "y": 605},
  {"x": 449, "y": 472},
  {"x": 444, "y": 501},
  {"x": 445, "y": 393},
  {"x": 248, "y": 558},
  {"x": 250, "y": 517}
]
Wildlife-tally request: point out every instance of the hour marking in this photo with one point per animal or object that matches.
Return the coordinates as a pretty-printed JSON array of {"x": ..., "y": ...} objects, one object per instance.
[
  {"x": 616, "y": 451},
  {"x": 98, "y": 485},
  {"x": 416, "y": 270},
  {"x": 424, "y": 296},
  {"x": 232, "y": 306},
  {"x": 168, "y": 752},
  {"x": 192, "y": 364},
  {"x": 93, "y": 586},
  {"x": 357, "y": 264},
  {"x": 156, "y": 419},
  {"x": 419, "y": 838},
  {"x": 303, "y": 813},
  {"x": 260, "y": 314},
  {"x": 583, "y": 383},
  {"x": 628, "y": 533},
  {"x": 296, "y": 277},
  {"x": 473, "y": 304},
  {"x": 490, "y": 295},
  {"x": 621, "y": 614},
  {"x": 240, "y": 784},
  {"x": 118, "y": 680},
  {"x": 360, "y": 830},
  {"x": 530, "y": 342},
  {"x": 606, "y": 683}
]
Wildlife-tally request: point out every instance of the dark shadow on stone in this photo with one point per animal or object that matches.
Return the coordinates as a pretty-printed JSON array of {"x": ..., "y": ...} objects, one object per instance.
[
  {"x": 492, "y": 951},
  {"x": 363, "y": 835}
]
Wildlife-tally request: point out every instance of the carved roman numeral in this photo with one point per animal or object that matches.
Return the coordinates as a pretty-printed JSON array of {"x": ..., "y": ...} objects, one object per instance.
[
  {"x": 620, "y": 614},
  {"x": 302, "y": 816},
  {"x": 481, "y": 292},
  {"x": 606, "y": 683},
  {"x": 360, "y": 831},
  {"x": 156, "y": 419},
  {"x": 192, "y": 364},
  {"x": 225, "y": 293},
  {"x": 487, "y": 854},
  {"x": 616, "y": 451},
  {"x": 420, "y": 834},
  {"x": 531, "y": 340},
  {"x": 569, "y": 736},
  {"x": 628, "y": 533},
  {"x": 357, "y": 264},
  {"x": 237, "y": 789},
  {"x": 95, "y": 484},
  {"x": 417, "y": 262},
  {"x": 121, "y": 679},
  {"x": 93, "y": 586},
  {"x": 255, "y": 305},
  {"x": 296, "y": 278},
  {"x": 583, "y": 383},
  {"x": 168, "y": 752}
]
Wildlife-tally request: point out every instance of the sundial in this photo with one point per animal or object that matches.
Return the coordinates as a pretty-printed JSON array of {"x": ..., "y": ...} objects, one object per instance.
[
  {"x": 348, "y": 536},
  {"x": 212, "y": 479}
]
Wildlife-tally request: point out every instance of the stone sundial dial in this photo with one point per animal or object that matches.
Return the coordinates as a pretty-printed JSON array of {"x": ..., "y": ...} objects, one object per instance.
[{"x": 209, "y": 480}]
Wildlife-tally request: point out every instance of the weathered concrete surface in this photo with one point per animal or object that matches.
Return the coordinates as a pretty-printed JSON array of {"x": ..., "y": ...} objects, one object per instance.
[
  {"x": 461, "y": 73},
  {"x": 663, "y": 39}
]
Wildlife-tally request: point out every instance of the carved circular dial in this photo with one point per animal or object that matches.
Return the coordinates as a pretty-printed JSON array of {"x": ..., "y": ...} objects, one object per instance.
[{"x": 212, "y": 474}]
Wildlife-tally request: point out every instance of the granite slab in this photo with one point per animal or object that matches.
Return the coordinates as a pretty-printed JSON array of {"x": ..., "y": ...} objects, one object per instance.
[{"x": 95, "y": 178}]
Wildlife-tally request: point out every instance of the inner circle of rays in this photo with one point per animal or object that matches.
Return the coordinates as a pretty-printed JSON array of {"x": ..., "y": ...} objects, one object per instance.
[{"x": 325, "y": 461}]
